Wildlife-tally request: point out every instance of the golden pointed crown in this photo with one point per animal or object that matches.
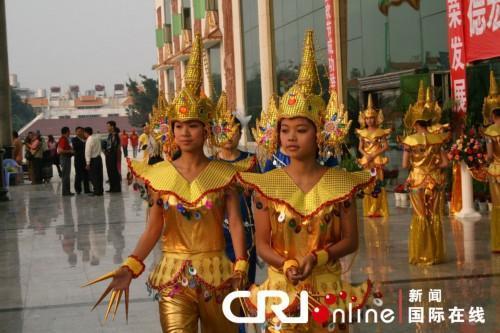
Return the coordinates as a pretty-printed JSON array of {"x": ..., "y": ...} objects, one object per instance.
[
  {"x": 369, "y": 112},
  {"x": 190, "y": 103},
  {"x": 223, "y": 124},
  {"x": 423, "y": 109},
  {"x": 300, "y": 100},
  {"x": 335, "y": 128},
  {"x": 265, "y": 130},
  {"x": 492, "y": 101}
]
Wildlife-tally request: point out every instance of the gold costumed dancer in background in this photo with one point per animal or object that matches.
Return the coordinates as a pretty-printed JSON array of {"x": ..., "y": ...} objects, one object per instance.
[
  {"x": 372, "y": 145},
  {"x": 491, "y": 111},
  {"x": 424, "y": 156},
  {"x": 190, "y": 197},
  {"x": 305, "y": 213}
]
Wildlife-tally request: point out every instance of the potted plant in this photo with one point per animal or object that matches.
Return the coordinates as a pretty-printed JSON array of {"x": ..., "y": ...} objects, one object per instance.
[{"x": 401, "y": 195}]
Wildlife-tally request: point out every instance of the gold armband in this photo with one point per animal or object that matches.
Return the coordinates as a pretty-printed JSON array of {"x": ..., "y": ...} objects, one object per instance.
[
  {"x": 322, "y": 257},
  {"x": 135, "y": 266},
  {"x": 241, "y": 265}
]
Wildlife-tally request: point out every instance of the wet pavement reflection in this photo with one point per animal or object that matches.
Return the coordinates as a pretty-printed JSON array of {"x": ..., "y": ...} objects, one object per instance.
[{"x": 50, "y": 245}]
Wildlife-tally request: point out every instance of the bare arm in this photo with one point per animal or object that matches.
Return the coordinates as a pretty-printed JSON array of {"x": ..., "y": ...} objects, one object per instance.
[
  {"x": 489, "y": 149},
  {"x": 349, "y": 231},
  {"x": 263, "y": 233},
  {"x": 444, "y": 160},
  {"x": 406, "y": 157},
  {"x": 153, "y": 230},
  {"x": 236, "y": 223}
]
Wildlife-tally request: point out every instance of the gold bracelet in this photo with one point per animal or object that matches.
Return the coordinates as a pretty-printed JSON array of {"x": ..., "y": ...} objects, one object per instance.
[
  {"x": 135, "y": 265},
  {"x": 322, "y": 257},
  {"x": 241, "y": 265},
  {"x": 289, "y": 264}
]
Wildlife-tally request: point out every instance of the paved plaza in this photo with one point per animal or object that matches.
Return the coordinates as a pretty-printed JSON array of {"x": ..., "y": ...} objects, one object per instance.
[{"x": 50, "y": 245}]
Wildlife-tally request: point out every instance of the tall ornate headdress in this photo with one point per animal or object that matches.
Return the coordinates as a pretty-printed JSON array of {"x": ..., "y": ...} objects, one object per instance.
[
  {"x": 300, "y": 100},
  {"x": 369, "y": 112},
  {"x": 190, "y": 103},
  {"x": 492, "y": 101},
  {"x": 423, "y": 109},
  {"x": 332, "y": 123},
  {"x": 223, "y": 124}
]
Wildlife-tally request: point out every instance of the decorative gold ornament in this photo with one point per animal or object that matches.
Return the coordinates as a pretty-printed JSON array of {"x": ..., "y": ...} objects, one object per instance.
[
  {"x": 223, "y": 125},
  {"x": 300, "y": 100},
  {"x": 423, "y": 109},
  {"x": 370, "y": 112},
  {"x": 335, "y": 128},
  {"x": 492, "y": 101},
  {"x": 264, "y": 132}
]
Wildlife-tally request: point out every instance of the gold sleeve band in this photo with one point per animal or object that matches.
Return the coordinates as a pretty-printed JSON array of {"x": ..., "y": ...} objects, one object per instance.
[
  {"x": 322, "y": 257},
  {"x": 289, "y": 264},
  {"x": 241, "y": 265},
  {"x": 135, "y": 265}
]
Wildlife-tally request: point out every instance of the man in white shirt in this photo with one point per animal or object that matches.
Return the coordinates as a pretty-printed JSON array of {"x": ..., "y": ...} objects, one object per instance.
[{"x": 93, "y": 161}]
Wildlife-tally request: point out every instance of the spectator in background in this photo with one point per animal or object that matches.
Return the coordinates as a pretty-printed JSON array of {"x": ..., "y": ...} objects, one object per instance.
[
  {"x": 143, "y": 138},
  {"x": 119, "y": 156},
  {"x": 111, "y": 153},
  {"x": 17, "y": 152},
  {"x": 53, "y": 156},
  {"x": 36, "y": 151},
  {"x": 93, "y": 161},
  {"x": 124, "y": 142},
  {"x": 81, "y": 173},
  {"x": 27, "y": 154},
  {"x": 134, "y": 141},
  {"x": 65, "y": 152}
]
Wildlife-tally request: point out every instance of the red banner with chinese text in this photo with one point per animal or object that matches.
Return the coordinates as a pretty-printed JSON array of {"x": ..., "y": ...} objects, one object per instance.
[
  {"x": 330, "y": 42},
  {"x": 456, "y": 46},
  {"x": 481, "y": 29}
]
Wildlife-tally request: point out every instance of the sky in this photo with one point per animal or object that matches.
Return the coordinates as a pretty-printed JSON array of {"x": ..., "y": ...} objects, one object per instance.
[{"x": 84, "y": 42}]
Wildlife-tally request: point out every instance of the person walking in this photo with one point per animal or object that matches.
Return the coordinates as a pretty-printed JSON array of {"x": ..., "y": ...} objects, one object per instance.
[
  {"x": 36, "y": 153},
  {"x": 53, "y": 156},
  {"x": 111, "y": 153},
  {"x": 65, "y": 152},
  {"x": 124, "y": 142},
  {"x": 93, "y": 161},
  {"x": 81, "y": 173},
  {"x": 134, "y": 141},
  {"x": 17, "y": 153}
]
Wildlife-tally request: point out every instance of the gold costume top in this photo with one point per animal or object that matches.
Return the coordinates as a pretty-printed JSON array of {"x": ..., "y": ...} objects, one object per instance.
[
  {"x": 245, "y": 165},
  {"x": 303, "y": 222},
  {"x": 425, "y": 158},
  {"x": 192, "y": 241},
  {"x": 492, "y": 134},
  {"x": 372, "y": 143}
]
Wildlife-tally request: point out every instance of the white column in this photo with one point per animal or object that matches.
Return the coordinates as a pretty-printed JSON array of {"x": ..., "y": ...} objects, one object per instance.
[
  {"x": 469, "y": 239},
  {"x": 239, "y": 70},
  {"x": 468, "y": 210},
  {"x": 265, "y": 50}
]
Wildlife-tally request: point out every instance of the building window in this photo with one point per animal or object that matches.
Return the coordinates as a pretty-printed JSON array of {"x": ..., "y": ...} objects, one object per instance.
[
  {"x": 212, "y": 5},
  {"x": 167, "y": 7},
  {"x": 215, "y": 70},
  {"x": 251, "y": 59},
  {"x": 186, "y": 14}
]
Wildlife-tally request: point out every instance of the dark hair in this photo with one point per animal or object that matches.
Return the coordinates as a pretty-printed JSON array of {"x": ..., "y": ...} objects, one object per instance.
[
  {"x": 65, "y": 130},
  {"x": 423, "y": 123},
  {"x": 112, "y": 123},
  {"x": 496, "y": 112},
  {"x": 15, "y": 134},
  {"x": 50, "y": 138},
  {"x": 117, "y": 130},
  {"x": 88, "y": 130},
  {"x": 144, "y": 125},
  {"x": 78, "y": 127}
]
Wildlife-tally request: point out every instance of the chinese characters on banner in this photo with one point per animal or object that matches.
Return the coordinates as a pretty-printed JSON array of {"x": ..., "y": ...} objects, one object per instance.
[
  {"x": 482, "y": 29},
  {"x": 330, "y": 40},
  {"x": 456, "y": 47}
]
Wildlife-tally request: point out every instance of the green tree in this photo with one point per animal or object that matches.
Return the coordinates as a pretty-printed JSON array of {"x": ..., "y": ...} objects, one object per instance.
[
  {"x": 22, "y": 112},
  {"x": 143, "y": 96}
]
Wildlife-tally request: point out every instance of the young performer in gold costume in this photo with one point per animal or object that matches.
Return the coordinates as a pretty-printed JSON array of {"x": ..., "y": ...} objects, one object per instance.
[
  {"x": 424, "y": 156},
  {"x": 372, "y": 145},
  {"x": 491, "y": 111},
  {"x": 190, "y": 197},
  {"x": 305, "y": 213}
]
